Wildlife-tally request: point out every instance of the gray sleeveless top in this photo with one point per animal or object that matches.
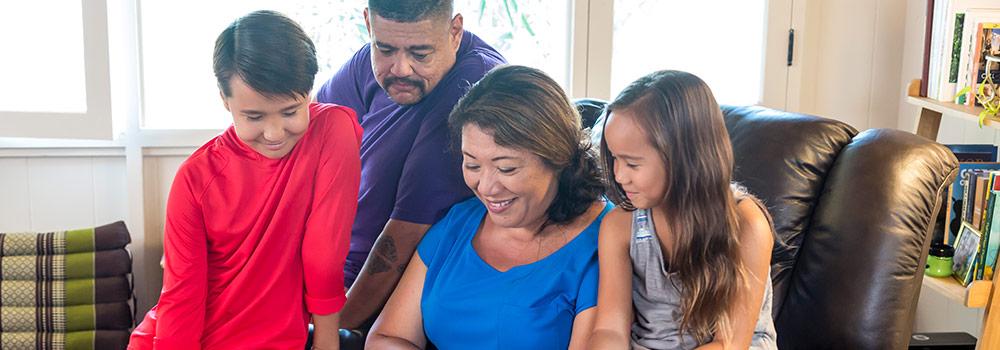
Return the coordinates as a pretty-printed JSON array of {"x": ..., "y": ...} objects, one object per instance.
[{"x": 656, "y": 296}]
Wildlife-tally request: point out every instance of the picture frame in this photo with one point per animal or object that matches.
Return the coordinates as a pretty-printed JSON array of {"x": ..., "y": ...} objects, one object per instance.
[{"x": 966, "y": 250}]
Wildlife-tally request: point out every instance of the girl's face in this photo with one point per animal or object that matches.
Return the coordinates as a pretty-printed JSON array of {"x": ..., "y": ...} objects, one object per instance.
[
  {"x": 638, "y": 166},
  {"x": 515, "y": 185}
]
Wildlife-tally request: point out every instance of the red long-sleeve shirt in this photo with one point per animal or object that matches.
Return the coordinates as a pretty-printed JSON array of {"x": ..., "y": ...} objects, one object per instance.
[{"x": 254, "y": 245}]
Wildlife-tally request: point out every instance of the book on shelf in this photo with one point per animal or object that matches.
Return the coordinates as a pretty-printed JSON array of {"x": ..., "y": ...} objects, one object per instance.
[
  {"x": 986, "y": 256},
  {"x": 978, "y": 240},
  {"x": 987, "y": 44},
  {"x": 982, "y": 181},
  {"x": 928, "y": 34},
  {"x": 974, "y": 17},
  {"x": 974, "y": 153},
  {"x": 959, "y": 191},
  {"x": 956, "y": 54},
  {"x": 936, "y": 63},
  {"x": 992, "y": 239}
]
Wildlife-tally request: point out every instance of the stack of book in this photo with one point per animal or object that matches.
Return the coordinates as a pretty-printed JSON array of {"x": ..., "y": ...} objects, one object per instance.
[
  {"x": 959, "y": 35},
  {"x": 974, "y": 213}
]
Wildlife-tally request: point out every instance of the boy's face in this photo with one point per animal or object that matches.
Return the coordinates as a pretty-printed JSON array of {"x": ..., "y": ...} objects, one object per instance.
[
  {"x": 410, "y": 59},
  {"x": 271, "y": 125}
]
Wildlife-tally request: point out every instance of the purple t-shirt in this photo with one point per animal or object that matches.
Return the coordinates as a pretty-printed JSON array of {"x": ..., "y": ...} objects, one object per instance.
[{"x": 409, "y": 169}]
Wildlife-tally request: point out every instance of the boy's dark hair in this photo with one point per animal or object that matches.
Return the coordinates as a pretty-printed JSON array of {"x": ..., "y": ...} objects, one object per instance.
[
  {"x": 269, "y": 52},
  {"x": 411, "y": 10}
]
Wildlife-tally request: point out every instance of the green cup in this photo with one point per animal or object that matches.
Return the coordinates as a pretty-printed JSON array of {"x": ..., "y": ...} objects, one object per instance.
[{"x": 939, "y": 260}]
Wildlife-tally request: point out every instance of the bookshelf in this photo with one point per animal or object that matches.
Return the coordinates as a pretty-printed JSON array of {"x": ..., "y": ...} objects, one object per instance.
[
  {"x": 979, "y": 294},
  {"x": 931, "y": 111},
  {"x": 976, "y": 295}
]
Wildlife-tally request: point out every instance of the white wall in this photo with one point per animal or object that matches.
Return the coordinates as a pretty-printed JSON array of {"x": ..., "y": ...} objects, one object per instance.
[
  {"x": 58, "y": 193},
  {"x": 847, "y": 55},
  {"x": 58, "y": 189}
]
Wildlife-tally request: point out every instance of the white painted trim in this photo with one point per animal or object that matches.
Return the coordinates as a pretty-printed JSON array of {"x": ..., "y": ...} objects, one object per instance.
[
  {"x": 95, "y": 123},
  {"x": 168, "y": 152},
  {"x": 600, "y": 29},
  {"x": 75, "y": 152},
  {"x": 579, "y": 26},
  {"x": 774, "y": 85},
  {"x": 800, "y": 95},
  {"x": 174, "y": 138}
]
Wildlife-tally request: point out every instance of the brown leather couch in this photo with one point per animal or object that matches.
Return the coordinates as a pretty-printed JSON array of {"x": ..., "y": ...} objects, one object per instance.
[{"x": 855, "y": 210}]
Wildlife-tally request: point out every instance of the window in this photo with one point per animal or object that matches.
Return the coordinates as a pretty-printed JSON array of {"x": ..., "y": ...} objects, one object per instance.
[
  {"x": 169, "y": 86},
  {"x": 55, "y": 80},
  {"x": 721, "y": 41},
  {"x": 178, "y": 85},
  {"x": 179, "y": 89},
  {"x": 55, "y": 49},
  {"x": 530, "y": 33}
]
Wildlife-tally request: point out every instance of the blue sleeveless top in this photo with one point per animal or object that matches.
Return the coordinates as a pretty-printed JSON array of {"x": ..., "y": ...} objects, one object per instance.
[{"x": 468, "y": 304}]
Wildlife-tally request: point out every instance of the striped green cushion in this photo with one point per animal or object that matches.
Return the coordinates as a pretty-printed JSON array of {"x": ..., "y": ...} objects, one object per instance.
[
  {"x": 107, "y": 237},
  {"x": 99, "y": 264},
  {"x": 66, "y": 289},
  {"x": 66, "y": 319},
  {"x": 84, "y": 340},
  {"x": 70, "y": 292}
]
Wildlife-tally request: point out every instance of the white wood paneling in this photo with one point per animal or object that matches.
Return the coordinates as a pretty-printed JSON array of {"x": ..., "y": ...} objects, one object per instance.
[
  {"x": 158, "y": 174},
  {"x": 110, "y": 196},
  {"x": 887, "y": 53},
  {"x": 911, "y": 64},
  {"x": 58, "y": 193},
  {"x": 843, "y": 89},
  {"x": 61, "y": 193},
  {"x": 15, "y": 213},
  {"x": 848, "y": 60}
]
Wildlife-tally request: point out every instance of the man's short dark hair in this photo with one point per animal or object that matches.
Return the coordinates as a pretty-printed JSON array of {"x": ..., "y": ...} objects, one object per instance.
[
  {"x": 411, "y": 10},
  {"x": 269, "y": 52}
]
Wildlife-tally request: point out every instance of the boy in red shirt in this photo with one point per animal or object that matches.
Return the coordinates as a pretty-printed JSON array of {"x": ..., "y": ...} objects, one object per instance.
[{"x": 259, "y": 218}]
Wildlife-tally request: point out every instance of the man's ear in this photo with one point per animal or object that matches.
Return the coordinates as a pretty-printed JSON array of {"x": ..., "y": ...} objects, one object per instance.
[
  {"x": 456, "y": 30},
  {"x": 225, "y": 101},
  {"x": 368, "y": 24}
]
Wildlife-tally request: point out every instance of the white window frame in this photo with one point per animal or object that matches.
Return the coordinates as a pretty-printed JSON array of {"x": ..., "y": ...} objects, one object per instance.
[{"x": 96, "y": 122}]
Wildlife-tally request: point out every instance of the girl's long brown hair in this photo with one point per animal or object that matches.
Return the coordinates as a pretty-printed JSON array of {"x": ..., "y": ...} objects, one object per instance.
[{"x": 681, "y": 118}]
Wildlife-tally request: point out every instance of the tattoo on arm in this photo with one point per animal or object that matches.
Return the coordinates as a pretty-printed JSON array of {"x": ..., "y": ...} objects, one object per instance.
[
  {"x": 379, "y": 265},
  {"x": 384, "y": 257}
]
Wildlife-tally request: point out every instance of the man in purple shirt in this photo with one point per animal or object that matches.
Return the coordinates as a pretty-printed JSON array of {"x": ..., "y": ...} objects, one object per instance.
[{"x": 403, "y": 86}]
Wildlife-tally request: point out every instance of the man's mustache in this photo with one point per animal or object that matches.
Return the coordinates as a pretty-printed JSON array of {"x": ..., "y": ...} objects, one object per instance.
[{"x": 393, "y": 80}]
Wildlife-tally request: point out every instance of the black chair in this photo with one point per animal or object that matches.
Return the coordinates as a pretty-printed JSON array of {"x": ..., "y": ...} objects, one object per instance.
[{"x": 856, "y": 211}]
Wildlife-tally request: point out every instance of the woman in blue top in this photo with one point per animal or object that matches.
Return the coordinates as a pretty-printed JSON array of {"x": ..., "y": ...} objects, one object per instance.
[{"x": 515, "y": 267}]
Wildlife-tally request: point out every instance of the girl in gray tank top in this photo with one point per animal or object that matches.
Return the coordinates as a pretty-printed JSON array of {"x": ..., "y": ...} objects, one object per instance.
[
  {"x": 656, "y": 295},
  {"x": 701, "y": 273}
]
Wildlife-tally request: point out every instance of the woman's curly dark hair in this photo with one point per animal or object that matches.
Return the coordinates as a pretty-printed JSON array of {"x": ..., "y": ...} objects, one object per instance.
[{"x": 525, "y": 109}]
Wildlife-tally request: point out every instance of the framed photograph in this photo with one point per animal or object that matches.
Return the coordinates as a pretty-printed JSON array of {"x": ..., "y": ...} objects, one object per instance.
[{"x": 966, "y": 249}]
